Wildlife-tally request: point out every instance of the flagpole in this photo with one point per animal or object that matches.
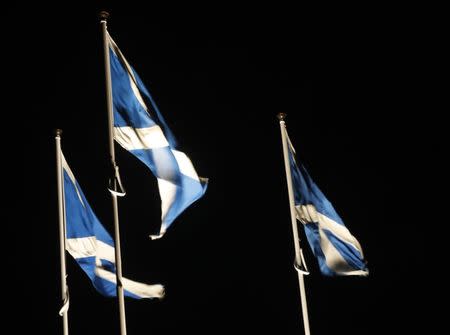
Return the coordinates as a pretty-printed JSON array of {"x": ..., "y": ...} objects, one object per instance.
[
  {"x": 123, "y": 327},
  {"x": 298, "y": 250},
  {"x": 62, "y": 233}
]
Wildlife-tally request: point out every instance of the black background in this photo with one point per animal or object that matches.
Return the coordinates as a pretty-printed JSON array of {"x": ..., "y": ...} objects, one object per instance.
[{"x": 220, "y": 78}]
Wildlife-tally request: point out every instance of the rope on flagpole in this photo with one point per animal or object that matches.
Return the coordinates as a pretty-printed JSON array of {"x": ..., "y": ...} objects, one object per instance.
[
  {"x": 299, "y": 261},
  {"x": 115, "y": 181},
  {"x": 62, "y": 234}
]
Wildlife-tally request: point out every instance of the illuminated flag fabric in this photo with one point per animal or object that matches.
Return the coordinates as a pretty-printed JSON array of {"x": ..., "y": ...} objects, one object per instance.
[
  {"x": 140, "y": 128},
  {"x": 336, "y": 249},
  {"x": 91, "y": 245}
]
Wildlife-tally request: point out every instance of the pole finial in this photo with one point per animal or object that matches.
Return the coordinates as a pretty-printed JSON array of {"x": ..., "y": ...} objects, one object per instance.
[
  {"x": 58, "y": 132},
  {"x": 281, "y": 116},
  {"x": 104, "y": 15}
]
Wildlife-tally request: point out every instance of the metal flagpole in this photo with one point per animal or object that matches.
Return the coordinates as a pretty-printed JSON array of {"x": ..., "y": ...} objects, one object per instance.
[
  {"x": 62, "y": 234},
  {"x": 114, "y": 193},
  {"x": 298, "y": 250}
]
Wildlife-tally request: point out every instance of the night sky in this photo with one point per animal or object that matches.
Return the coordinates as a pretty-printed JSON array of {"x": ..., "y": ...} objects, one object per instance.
[{"x": 220, "y": 79}]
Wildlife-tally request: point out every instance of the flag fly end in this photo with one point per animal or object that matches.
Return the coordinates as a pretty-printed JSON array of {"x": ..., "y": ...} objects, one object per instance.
[{"x": 156, "y": 237}]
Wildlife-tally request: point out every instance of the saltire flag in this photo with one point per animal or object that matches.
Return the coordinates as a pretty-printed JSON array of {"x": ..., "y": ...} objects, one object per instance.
[
  {"x": 336, "y": 249},
  {"x": 140, "y": 128},
  {"x": 92, "y": 247}
]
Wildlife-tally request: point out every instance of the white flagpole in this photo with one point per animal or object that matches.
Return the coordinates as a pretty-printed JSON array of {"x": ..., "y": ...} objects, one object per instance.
[
  {"x": 298, "y": 250},
  {"x": 123, "y": 327},
  {"x": 62, "y": 233}
]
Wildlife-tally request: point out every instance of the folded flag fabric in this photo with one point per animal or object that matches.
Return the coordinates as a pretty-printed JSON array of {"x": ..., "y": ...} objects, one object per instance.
[
  {"x": 140, "y": 129},
  {"x": 336, "y": 249},
  {"x": 91, "y": 245}
]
